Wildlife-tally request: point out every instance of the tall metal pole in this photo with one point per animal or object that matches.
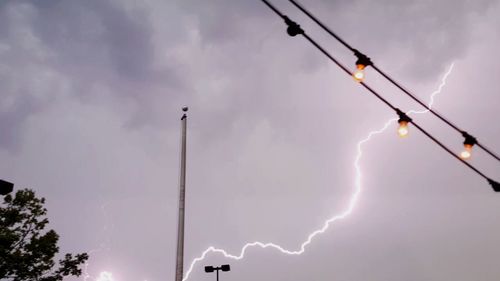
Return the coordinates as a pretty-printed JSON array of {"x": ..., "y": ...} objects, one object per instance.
[{"x": 179, "y": 267}]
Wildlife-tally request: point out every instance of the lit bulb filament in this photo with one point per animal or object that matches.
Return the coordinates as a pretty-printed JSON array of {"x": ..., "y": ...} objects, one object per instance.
[
  {"x": 403, "y": 128},
  {"x": 468, "y": 143},
  {"x": 467, "y": 153},
  {"x": 359, "y": 74}
]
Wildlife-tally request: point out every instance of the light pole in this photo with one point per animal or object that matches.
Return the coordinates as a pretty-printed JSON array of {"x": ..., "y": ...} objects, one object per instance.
[
  {"x": 179, "y": 264},
  {"x": 6, "y": 187},
  {"x": 224, "y": 267}
]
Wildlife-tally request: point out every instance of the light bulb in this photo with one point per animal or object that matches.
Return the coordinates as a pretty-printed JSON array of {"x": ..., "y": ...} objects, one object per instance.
[
  {"x": 467, "y": 153},
  {"x": 403, "y": 128},
  {"x": 359, "y": 74}
]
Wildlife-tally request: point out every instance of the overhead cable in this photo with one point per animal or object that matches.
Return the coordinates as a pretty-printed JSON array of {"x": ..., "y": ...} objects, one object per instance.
[
  {"x": 366, "y": 61},
  {"x": 294, "y": 29}
]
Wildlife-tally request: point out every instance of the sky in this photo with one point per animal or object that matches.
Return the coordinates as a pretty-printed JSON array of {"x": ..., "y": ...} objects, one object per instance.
[{"x": 91, "y": 96}]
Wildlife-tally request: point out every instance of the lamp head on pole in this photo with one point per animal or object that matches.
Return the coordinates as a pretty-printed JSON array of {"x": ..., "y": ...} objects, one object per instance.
[
  {"x": 184, "y": 109},
  {"x": 6, "y": 187},
  {"x": 209, "y": 269}
]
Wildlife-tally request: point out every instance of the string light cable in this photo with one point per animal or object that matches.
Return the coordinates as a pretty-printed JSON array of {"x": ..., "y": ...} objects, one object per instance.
[
  {"x": 294, "y": 29},
  {"x": 364, "y": 61}
]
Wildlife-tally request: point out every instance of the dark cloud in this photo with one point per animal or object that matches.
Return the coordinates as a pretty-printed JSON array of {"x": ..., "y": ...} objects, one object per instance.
[
  {"x": 114, "y": 46},
  {"x": 430, "y": 33},
  {"x": 90, "y": 46}
]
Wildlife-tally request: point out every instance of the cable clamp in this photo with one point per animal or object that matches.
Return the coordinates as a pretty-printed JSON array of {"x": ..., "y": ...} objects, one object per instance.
[
  {"x": 469, "y": 140},
  {"x": 363, "y": 60},
  {"x": 495, "y": 185},
  {"x": 293, "y": 28},
  {"x": 403, "y": 117}
]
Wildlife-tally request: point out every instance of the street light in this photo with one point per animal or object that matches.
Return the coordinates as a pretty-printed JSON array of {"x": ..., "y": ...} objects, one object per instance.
[
  {"x": 6, "y": 187},
  {"x": 224, "y": 267}
]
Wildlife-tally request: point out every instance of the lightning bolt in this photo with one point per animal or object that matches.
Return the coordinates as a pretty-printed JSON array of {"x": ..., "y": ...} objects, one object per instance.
[
  {"x": 103, "y": 275},
  {"x": 352, "y": 201}
]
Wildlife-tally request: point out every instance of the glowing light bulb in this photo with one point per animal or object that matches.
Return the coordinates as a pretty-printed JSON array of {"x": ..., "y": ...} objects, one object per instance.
[
  {"x": 467, "y": 153},
  {"x": 468, "y": 143},
  {"x": 359, "y": 74},
  {"x": 403, "y": 128}
]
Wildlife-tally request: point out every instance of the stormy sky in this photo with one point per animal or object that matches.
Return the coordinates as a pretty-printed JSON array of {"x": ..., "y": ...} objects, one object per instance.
[{"x": 90, "y": 103}]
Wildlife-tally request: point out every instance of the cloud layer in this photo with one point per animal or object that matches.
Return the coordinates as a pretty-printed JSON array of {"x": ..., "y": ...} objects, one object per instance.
[{"x": 89, "y": 117}]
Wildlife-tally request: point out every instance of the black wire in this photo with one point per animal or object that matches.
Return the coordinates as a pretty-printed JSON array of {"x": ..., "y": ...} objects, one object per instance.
[
  {"x": 449, "y": 150},
  {"x": 346, "y": 70},
  {"x": 291, "y": 23},
  {"x": 489, "y": 151},
  {"x": 431, "y": 110},
  {"x": 322, "y": 25},
  {"x": 329, "y": 31},
  {"x": 273, "y": 8}
]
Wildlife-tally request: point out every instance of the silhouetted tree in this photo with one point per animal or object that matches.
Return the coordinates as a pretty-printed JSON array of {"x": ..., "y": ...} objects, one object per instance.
[{"x": 27, "y": 251}]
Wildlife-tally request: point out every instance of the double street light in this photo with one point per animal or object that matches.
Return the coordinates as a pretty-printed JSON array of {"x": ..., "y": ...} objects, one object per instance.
[
  {"x": 6, "y": 187},
  {"x": 224, "y": 267}
]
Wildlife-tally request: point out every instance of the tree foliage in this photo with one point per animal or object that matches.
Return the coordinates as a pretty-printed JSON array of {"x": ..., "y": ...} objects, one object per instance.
[{"x": 27, "y": 250}]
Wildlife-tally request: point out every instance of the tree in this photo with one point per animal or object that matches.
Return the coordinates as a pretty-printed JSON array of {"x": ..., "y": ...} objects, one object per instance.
[{"x": 27, "y": 250}]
